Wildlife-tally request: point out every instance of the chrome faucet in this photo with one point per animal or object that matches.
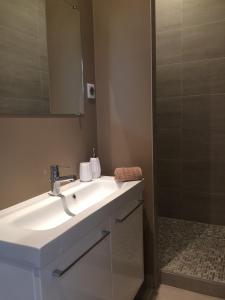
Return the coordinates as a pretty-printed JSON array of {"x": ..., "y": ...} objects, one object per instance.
[{"x": 56, "y": 180}]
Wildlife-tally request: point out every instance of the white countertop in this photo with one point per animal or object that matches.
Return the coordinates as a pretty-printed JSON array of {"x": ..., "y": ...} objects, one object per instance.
[{"x": 37, "y": 248}]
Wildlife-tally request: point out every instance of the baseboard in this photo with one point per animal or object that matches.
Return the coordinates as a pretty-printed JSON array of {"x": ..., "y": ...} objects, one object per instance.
[{"x": 202, "y": 286}]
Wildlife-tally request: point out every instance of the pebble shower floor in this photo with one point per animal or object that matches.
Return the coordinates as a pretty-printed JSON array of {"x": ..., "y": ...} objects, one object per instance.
[{"x": 192, "y": 249}]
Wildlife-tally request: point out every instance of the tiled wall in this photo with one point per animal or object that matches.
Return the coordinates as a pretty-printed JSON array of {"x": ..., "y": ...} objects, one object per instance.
[
  {"x": 191, "y": 109},
  {"x": 23, "y": 57}
]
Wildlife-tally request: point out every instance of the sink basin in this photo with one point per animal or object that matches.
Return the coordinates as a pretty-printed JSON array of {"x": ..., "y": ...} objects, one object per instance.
[
  {"x": 37, "y": 231},
  {"x": 51, "y": 212}
]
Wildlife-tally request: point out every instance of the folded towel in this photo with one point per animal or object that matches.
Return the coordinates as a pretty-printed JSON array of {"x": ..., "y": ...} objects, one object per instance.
[{"x": 128, "y": 174}]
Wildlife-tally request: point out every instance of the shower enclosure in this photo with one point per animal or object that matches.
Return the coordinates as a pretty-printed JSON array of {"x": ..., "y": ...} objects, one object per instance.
[{"x": 190, "y": 141}]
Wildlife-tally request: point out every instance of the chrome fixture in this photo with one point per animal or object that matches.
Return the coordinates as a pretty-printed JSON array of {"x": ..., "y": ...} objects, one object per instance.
[{"x": 56, "y": 180}]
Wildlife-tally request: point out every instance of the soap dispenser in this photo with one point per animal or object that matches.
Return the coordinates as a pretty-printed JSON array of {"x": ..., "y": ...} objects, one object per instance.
[{"x": 95, "y": 165}]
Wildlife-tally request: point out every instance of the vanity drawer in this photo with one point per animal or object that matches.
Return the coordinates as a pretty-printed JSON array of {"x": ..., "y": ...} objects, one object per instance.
[{"x": 83, "y": 272}]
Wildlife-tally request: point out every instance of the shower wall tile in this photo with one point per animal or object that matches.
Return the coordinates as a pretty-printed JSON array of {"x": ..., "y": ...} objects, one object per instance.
[
  {"x": 168, "y": 80},
  {"x": 44, "y": 85},
  {"x": 43, "y": 62},
  {"x": 195, "y": 78},
  {"x": 203, "y": 77},
  {"x": 217, "y": 145},
  {"x": 169, "y": 172},
  {"x": 24, "y": 20},
  {"x": 196, "y": 201},
  {"x": 204, "y": 207},
  {"x": 170, "y": 202},
  {"x": 196, "y": 113},
  {"x": 168, "y": 112},
  {"x": 169, "y": 143},
  {"x": 206, "y": 145},
  {"x": 42, "y": 36},
  {"x": 23, "y": 106},
  {"x": 23, "y": 57},
  {"x": 20, "y": 81},
  {"x": 204, "y": 112},
  {"x": 168, "y": 47},
  {"x": 203, "y": 42},
  {"x": 197, "y": 12},
  {"x": 217, "y": 174},
  {"x": 196, "y": 145},
  {"x": 204, "y": 176},
  {"x": 168, "y": 14},
  {"x": 196, "y": 175},
  {"x": 17, "y": 48},
  {"x": 191, "y": 109},
  {"x": 217, "y": 75}
]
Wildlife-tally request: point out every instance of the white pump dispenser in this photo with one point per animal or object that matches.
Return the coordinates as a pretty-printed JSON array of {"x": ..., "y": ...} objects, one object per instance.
[{"x": 95, "y": 165}]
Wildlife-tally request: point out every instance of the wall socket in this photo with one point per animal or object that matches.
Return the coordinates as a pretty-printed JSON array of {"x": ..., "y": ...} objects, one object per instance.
[{"x": 91, "y": 91}]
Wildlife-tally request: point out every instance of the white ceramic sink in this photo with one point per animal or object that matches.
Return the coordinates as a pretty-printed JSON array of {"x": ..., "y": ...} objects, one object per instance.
[
  {"x": 39, "y": 230},
  {"x": 52, "y": 212}
]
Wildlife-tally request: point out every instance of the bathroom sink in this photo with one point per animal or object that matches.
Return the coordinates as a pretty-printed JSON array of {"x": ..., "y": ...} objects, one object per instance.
[
  {"x": 53, "y": 211},
  {"x": 37, "y": 231}
]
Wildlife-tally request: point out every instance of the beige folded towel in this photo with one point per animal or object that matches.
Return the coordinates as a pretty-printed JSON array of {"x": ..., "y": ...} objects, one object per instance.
[{"x": 128, "y": 174}]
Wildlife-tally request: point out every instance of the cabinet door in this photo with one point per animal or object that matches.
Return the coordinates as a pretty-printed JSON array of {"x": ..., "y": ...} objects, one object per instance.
[
  {"x": 127, "y": 252},
  {"x": 16, "y": 283},
  {"x": 87, "y": 277}
]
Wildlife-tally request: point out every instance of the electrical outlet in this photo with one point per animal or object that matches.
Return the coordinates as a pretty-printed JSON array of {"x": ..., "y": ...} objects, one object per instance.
[{"x": 91, "y": 91}]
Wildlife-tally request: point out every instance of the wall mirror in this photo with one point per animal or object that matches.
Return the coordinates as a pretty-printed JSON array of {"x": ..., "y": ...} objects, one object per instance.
[{"x": 40, "y": 58}]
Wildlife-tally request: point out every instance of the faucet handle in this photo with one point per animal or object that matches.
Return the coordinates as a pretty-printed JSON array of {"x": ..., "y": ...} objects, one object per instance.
[{"x": 54, "y": 170}]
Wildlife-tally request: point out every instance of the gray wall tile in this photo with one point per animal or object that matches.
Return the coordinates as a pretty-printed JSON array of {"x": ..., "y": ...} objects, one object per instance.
[
  {"x": 191, "y": 109},
  {"x": 202, "y": 11},
  {"x": 202, "y": 42},
  {"x": 20, "y": 81},
  {"x": 203, "y": 77},
  {"x": 23, "y": 57},
  {"x": 169, "y": 173},
  {"x": 21, "y": 16},
  {"x": 169, "y": 80},
  {"x": 170, "y": 203},
  {"x": 203, "y": 144},
  {"x": 204, "y": 176},
  {"x": 168, "y": 14},
  {"x": 196, "y": 175},
  {"x": 168, "y": 47},
  {"x": 44, "y": 85},
  {"x": 213, "y": 204},
  {"x": 23, "y": 106},
  {"x": 18, "y": 49},
  {"x": 204, "y": 112},
  {"x": 169, "y": 143},
  {"x": 168, "y": 112}
]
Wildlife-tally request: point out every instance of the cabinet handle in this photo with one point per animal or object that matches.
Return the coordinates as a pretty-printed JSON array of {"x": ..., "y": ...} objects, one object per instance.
[
  {"x": 121, "y": 220},
  {"x": 59, "y": 273}
]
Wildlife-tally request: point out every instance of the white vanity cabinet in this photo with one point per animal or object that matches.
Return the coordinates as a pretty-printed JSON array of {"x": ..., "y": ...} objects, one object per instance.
[
  {"x": 96, "y": 254},
  {"x": 107, "y": 264},
  {"x": 127, "y": 251},
  {"x": 83, "y": 272}
]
